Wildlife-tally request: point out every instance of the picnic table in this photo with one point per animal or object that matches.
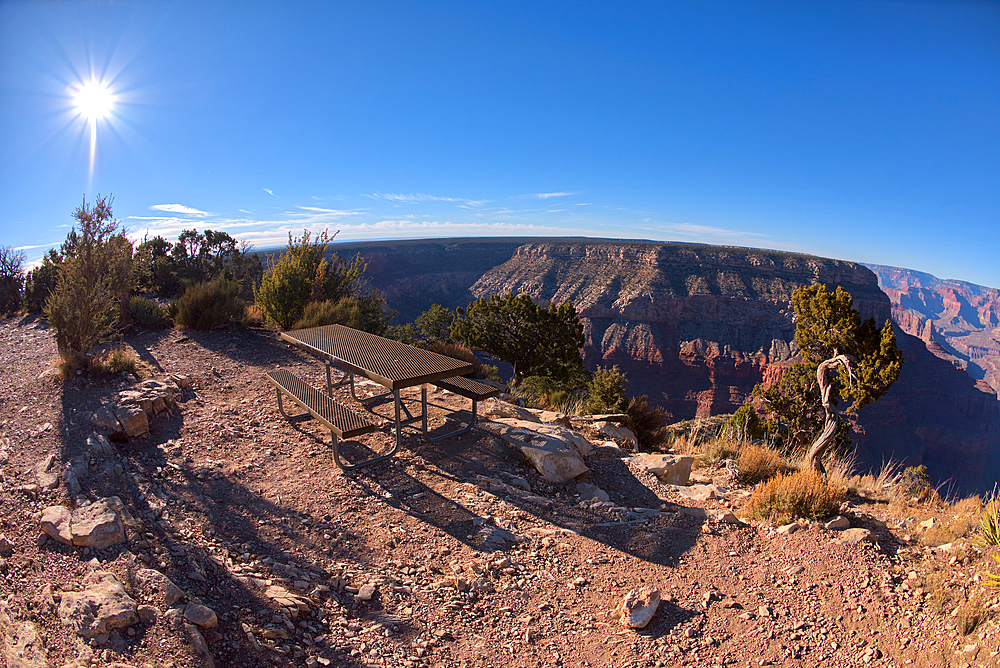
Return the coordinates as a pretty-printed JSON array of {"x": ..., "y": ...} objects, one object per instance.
[{"x": 389, "y": 363}]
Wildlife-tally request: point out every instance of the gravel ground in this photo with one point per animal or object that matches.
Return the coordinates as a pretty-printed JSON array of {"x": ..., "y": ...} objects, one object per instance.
[{"x": 465, "y": 566}]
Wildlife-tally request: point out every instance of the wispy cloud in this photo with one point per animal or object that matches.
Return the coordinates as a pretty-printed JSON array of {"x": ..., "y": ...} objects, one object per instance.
[
  {"x": 558, "y": 194},
  {"x": 269, "y": 192},
  {"x": 180, "y": 208},
  {"x": 407, "y": 198},
  {"x": 319, "y": 210}
]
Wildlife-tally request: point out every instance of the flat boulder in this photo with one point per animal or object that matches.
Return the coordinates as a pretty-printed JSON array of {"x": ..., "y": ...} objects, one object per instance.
[
  {"x": 555, "y": 452},
  {"x": 100, "y": 608},
  {"x": 156, "y": 587},
  {"x": 96, "y": 526},
  {"x": 20, "y": 644}
]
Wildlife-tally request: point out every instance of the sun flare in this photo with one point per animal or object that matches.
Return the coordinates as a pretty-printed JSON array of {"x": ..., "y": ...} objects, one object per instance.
[{"x": 94, "y": 101}]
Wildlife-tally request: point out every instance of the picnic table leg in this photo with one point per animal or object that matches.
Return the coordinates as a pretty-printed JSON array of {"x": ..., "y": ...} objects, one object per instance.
[{"x": 457, "y": 432}]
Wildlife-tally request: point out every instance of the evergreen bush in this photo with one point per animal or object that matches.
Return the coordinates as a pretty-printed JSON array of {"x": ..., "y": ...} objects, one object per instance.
[{"x": 210, "y": 304}]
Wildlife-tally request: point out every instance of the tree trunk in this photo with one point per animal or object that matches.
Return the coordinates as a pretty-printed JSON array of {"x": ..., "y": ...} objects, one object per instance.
[{"x": 824, "y": 376}]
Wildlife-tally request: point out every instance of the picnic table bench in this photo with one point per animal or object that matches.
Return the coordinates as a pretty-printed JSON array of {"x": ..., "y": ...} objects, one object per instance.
[{"x": 341, "y": 420}]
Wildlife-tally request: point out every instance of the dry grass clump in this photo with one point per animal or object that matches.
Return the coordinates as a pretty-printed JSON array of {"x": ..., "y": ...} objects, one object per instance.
[
  {"x": 112, "y": 361},
  {"x": 800, "y": 494},
  {"x": 707, "y": 452},
  {"x": 254, "y": 316},
  {"x": 958, "y": 519},
  {"x": 756, "y": 464},
  {"x": 873, "y": 485},
  {"x": 971, "y": 614}
]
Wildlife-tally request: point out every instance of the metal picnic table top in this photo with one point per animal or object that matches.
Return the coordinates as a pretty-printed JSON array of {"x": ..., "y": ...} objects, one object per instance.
[{"x": 392, "y": 364}]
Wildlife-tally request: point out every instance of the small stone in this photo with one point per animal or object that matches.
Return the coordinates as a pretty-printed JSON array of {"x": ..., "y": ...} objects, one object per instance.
[
  {"x": 366, "y": 592},
  {"x": 764, "y": 611},
  {"x": 789, "y": 528},
  {"x": 838, "y": 523},
  {"x": 853, "y": 536},
  {"x": 201, "y": 615},
  {"x": 795, "y": 570},
  {"x": 147, "y": 614},
  {"x": 588, "y": 492},
  {"x": 5, "y": 544},
  {"x": 928, "y": 523}
]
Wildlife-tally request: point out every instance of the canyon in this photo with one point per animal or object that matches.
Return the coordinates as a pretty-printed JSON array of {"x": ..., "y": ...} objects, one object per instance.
[{"x": 695, "y": 328}]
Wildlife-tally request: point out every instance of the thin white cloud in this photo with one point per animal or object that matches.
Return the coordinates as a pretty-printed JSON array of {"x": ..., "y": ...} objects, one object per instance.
[
  {"x": 269, "y": 192},
  {"x": 558, "y": 194},
  {"x": 179, "y": 208},
  {"x": 319, "y": 210},
  {"x": 407, "y": 198}
]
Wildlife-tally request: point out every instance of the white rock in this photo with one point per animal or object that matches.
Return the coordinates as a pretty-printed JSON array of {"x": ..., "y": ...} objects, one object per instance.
[
  {"x": 639, "y": 607},
  {"x": 838, "y": 523},
  {"x": 588, "y": 491},
  {"x": 669, "y": 469},
  {"x": 789, "y": 528},
  {"x": 616, "y": 432}
]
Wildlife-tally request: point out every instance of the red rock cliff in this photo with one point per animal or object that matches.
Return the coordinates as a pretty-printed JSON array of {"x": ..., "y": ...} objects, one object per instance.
[{"x": 696, "y": 327}]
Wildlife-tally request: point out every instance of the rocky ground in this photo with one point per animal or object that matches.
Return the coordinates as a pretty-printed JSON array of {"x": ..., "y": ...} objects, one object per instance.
[{"x": 245, "y": 545}]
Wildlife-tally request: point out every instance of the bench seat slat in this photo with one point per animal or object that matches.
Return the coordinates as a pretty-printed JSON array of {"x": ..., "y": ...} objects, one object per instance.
[
  {"x": 467, "y": 388},
  {"x": 341, "y": 419}
]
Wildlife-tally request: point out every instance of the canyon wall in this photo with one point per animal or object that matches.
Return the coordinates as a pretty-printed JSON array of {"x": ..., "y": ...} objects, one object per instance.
[
  {"x": 696, "y": 327},
  {"x": 962, "y": 319},
  {"x": 414, "y": 274}
]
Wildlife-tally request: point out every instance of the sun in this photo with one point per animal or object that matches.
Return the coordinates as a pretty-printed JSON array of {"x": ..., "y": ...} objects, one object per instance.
[{"x": 94, "y": 101}]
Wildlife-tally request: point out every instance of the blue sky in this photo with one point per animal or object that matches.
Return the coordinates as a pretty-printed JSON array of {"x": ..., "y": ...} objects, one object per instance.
[{"x": 866, "y": 131}]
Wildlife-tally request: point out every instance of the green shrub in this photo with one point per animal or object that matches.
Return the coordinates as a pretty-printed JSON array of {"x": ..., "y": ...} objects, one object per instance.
[
  {"x": 317, "y": 314},
  {"x": 147, "y": 312},
  {"x": 284, "y": 290},
  {"x": 649, "y": 423},
  {"x": 435, "y": 323},
  {"x": 606, "y": 392},
  {"x": 745, "y": 424},
  {"x": 210, "y": 304},
  {"x": 301, "y": 274},
  {"x": 801, "y": 494},
  {"x": 41, "y": 281},
  {"x": 94, "y": 277},
  {"x": 914, "y": 480}
]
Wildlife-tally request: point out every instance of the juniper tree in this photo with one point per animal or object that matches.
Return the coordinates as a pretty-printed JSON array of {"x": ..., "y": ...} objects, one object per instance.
[
  {"x": 536, "y": 341},
  {"x": 843, "y": 360}
]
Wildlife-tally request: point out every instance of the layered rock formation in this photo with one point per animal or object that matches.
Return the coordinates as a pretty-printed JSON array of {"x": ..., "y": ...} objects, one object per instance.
[
  {"x": 960, "y": 321},
  {"x": 696, "y": 327}
]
